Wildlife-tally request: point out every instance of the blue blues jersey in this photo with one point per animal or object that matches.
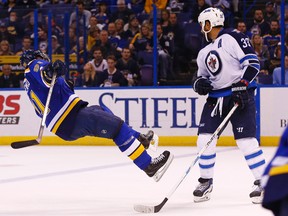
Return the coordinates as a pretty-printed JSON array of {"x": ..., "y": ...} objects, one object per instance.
[
  {"x": 275, "y": 177},
  {"x": 64, "y": 103},
  {"x": 227, "y": 60}
]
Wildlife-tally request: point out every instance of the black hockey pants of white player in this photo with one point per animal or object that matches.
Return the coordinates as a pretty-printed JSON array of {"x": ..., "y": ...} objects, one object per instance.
[
  {"x": 244, "y": 128},
  {"x": 101, "y": 122}
]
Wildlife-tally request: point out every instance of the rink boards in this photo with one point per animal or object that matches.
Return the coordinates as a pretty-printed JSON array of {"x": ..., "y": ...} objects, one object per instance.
[{"x": 173, "y": 113}]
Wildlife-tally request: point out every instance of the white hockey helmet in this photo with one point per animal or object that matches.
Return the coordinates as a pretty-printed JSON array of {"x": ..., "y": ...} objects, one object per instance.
[{"x": 214, "y": 15}]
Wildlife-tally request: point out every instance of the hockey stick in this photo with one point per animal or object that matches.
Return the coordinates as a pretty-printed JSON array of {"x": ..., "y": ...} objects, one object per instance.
[
  {"x": 215, "y": 135},
  {"x": 26, "y": 143}
]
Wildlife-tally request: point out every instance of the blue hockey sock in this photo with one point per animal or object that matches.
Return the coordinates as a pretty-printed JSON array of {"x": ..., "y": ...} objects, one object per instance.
[{"x": 128, "y": 144}]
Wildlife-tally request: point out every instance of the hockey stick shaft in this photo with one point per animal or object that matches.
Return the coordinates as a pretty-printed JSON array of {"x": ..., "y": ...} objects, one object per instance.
[
  {"x": 215, "y": 135},
  {"x": 22, "y": 144}
]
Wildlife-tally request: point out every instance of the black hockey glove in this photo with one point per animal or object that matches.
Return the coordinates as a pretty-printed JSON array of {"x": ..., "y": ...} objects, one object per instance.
[
  {"x": 202, "y": 86},
  {"x": 240, "y": 94},
  {"x": 59, "y": 67}
]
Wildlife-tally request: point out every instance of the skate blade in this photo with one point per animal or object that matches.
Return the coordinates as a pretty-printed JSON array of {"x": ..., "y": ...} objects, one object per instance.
[
  {"x": 158, "y": 175},
  {"x": 154, "y": 143},
  {"x": 257, "y": 200},
  {"x": 202, "y": 199}
]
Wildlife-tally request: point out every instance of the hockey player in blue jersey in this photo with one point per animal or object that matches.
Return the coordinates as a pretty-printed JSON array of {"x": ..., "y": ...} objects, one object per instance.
[
  {"x": 71, "y": 118},
  {"x": 275, "y": 180},
  {"x": 227, "y": 67}
]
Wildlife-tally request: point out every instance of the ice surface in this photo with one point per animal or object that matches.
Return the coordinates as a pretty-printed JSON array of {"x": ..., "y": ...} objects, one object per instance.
[{"x": 80, "y": 181}]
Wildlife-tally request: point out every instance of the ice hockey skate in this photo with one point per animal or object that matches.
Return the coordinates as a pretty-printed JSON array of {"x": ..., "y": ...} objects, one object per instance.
[
  {"x": 159, "y": 165},
  {"x": 149, "y": 140},
  {"x": 257, "y": 194},
  {"x": 203, "y": 190}
]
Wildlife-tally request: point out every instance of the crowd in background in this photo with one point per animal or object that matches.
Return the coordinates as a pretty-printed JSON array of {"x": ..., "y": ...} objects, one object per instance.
[{"x": 113, "y": 39}]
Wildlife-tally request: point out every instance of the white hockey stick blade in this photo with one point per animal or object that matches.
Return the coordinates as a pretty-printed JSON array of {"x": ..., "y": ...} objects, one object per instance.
[
  {"x": 143, "y": 208},
  {"x": 154, "y": 143},
  {"x": 158, "y": 175},
  {"x": 150, "y": 209}
]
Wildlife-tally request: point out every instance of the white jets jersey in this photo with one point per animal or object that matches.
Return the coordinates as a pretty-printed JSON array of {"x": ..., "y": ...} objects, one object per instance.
[{"x": 227, "y": 60}]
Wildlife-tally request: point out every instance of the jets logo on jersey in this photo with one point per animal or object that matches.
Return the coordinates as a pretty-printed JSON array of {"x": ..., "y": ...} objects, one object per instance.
[{"x": 213, "y": 62}]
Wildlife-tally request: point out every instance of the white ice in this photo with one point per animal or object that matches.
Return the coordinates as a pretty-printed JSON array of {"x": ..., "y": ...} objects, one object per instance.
[{"x": 80, "y": 181}]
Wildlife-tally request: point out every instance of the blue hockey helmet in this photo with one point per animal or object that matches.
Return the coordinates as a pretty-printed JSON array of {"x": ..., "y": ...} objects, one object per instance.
[
  {"x": 41, "y": 55},
  {"x": 26, "y": 57}
]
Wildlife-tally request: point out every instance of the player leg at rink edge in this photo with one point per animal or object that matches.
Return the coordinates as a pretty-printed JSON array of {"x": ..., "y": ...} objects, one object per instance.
[
  {"x": 70, "y": 118},
  {"x": 227, "y": 67}
]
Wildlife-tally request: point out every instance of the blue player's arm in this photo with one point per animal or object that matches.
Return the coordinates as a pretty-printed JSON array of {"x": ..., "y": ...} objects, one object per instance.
[
  {"x": 244, "y": 52},
  {"x": 60, "y": 69}
]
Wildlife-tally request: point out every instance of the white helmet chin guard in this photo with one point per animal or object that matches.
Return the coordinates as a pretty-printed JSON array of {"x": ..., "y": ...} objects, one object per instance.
[{"x": 214, "y": 15}]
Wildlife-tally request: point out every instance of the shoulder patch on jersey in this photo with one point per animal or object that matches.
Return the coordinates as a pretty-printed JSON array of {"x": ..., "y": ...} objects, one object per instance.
[
  {"x": 36, "y": 68},
  {"x": 213, "y": 62}
]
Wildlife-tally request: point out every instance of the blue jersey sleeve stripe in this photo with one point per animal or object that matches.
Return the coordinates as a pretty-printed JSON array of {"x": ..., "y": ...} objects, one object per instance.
[
  {"x": 248, "y": 57},
  {"x": 256, "y": 66},
  {"x": 60, "y": 120}
]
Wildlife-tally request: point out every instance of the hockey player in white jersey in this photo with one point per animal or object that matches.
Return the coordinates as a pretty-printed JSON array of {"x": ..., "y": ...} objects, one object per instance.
[{"x": 227, "y": 67}]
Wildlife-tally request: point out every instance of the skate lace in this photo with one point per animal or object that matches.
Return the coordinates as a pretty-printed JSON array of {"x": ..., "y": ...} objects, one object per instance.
[
  {"x": 202, "y": 186},
  {"x": 158, "y": 159}
]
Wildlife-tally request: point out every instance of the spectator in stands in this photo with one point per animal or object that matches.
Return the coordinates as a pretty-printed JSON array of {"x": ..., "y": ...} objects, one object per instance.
[
  {"x": 105, "y": 45},
  {"x": 93, "y": 36},
  {"x": 176, "y": 32},
  {"x": 165, "y": 15},
  {"x": 143, "y": 40},
  {"x": 99, "y": 64},
  {"x": 15, "y": 28},
  {"x": 5, "y": 48},
  {"x": 4, "y": 34},
  {"x": 111, "y": 77},
  {"x": 88, "y": 78},
  {"x": 72, "y": 37},
  {"x": 133, "y": 28},
  {"x": 113, "y": 36},
  {"x": 93, "y": 23},
  {"x": 122, "y": 12},
  {"x": 258, "y": 25},
  {"x": 197, "y": 8},
  {"x": 275, "y": 60},
  {"x": 83, "y": 14},
  {"x": 159, "y": 4},
  {"x": 129, "y": 67},
  {"x": 262, "y": 52},
  {"x": 269, "y": 13},
  {"x": 57, "y": 30},
  {"x": 241, "y": 26},
  {"x": 26, "y": 45},
  {"x": 119, "y": 25},
  {"x": 27, "y": 8},
  {"x": 277, "y": 73},
  {"x": 81, "y": 53},
  {"x": 165, "y": 54},
  {"x": 273, "y": 37},
  {"x": 42, "y": 39},
  {"x": 56, "y": 47},
  {"x": 8, "y": 7},
  {"x": 8, "y": 79},
  {"x": 102, "y": 15}
]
